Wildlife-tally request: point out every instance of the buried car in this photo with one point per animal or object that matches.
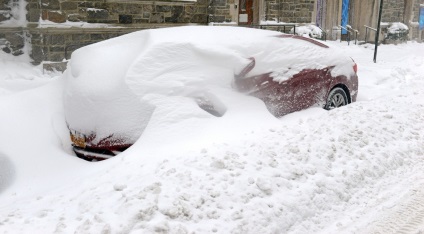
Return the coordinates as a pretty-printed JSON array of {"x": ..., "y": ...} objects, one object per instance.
[{"x": 114, "y": 87}]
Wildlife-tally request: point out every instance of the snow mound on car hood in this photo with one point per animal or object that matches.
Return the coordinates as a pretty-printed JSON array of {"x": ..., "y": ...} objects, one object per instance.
[{"x": 114, "y": 86}]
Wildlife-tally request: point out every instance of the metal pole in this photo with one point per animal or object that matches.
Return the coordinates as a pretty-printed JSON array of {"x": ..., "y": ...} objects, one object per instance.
[
  {"x": 366, "y": 35},
  {"x": 377, "y": 35}
]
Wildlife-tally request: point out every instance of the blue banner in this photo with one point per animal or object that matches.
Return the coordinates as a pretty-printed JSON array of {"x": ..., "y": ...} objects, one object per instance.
[
  {"x": 422, "y": 18},
  {"x": 345, "y": 15}
]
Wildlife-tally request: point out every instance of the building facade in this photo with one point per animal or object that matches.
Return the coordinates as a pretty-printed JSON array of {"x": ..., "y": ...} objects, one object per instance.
[{"x": 53, "y": 29}]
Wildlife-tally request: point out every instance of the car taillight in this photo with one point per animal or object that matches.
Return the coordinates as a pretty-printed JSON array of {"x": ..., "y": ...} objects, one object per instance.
[{"x": 355, "y": 68}]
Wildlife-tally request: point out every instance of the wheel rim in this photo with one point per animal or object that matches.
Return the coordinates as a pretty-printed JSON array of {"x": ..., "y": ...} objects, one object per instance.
[{"x": 337, "y": 101}]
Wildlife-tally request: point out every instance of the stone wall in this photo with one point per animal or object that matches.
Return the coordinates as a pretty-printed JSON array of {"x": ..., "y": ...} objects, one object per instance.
[
  {"x": 219, "y": 10},
  {"x": 393, "y": 11},
  {"x": 57, "y": 44},
  {"x": 118, "y": 12},
  {"x": 12, "y": 40},
  {"x": 289, "y": 11},
  {"x": 5, "y": 10}
]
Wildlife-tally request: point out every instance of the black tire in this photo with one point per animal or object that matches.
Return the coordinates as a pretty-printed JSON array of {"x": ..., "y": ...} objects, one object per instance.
[{"x": 336, "y": 98}]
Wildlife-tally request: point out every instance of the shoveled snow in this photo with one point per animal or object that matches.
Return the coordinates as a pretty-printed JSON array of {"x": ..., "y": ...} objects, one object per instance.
[{"x": 356, "y": 169}]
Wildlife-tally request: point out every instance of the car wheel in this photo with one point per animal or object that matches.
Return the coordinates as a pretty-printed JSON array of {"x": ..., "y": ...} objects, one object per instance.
[{"x": 336, "y": 98}]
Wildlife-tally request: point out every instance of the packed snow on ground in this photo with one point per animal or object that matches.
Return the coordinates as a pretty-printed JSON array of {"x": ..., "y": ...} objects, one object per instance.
[{"x": 356, "y": 169}]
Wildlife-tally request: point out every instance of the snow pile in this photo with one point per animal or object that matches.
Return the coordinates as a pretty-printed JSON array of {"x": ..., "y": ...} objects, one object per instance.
[
  {"x": 151, "y": 68},
  {"x": 247, "y": 172},
  {"x": 397, "y": 28},
  {"x": 308, "y": 31},
  {"x": 17, "y": 74}
]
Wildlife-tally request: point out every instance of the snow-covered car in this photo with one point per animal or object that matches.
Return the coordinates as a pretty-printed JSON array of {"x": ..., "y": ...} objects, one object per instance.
[{"x": 113, "y": 88}]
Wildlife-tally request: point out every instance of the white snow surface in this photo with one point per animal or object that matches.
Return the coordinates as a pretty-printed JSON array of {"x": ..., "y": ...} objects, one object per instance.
[
  {"x": 356, "y": 169},
  {"x": 152, "y": 68},
  {"x": 309, "y": 30},
  {"x": 397, "y": 27}
]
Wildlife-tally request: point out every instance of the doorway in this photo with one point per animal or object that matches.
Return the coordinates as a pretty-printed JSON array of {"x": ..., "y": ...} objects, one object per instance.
[{"x": 245, "y": 12}]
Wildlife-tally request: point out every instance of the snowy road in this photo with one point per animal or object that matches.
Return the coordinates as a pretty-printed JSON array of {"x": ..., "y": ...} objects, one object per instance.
[
  {"x": 357, "y": 169},
  {"x": 406, "y": 216}
]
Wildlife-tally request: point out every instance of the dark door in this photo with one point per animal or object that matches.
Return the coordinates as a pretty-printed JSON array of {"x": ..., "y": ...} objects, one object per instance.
[{"x": 246, "y": 12}]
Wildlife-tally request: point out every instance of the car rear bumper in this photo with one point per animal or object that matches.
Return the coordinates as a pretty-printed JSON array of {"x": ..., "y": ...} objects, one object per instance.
[
  {"x": 89, "y": 148},
  {"x": 90, "y": 155}
]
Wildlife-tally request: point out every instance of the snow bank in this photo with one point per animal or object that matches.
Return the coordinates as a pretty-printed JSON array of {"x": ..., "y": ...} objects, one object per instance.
[
  {"x": 309, "y": 172},
  {"x": 17, "y": 74}
]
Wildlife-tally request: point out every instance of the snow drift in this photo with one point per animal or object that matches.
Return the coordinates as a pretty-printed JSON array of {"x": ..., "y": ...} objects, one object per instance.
[{"x": 115, "y": 86}]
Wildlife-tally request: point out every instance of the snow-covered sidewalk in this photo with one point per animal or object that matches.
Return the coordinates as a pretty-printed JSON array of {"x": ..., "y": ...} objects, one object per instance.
[{"x": 356, "y": 169}]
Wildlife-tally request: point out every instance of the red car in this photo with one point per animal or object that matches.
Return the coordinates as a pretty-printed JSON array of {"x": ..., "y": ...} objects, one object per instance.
[{"x": 110, "y": 85}]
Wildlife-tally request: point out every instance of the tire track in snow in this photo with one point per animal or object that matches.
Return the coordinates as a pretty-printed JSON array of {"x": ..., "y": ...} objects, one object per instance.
[
  {"x": 406, "y": 217},
  {"x": 7, "y": 172}
]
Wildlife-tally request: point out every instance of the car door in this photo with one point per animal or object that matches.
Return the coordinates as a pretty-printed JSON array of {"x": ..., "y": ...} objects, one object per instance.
[{"x": 308, "y": 88}]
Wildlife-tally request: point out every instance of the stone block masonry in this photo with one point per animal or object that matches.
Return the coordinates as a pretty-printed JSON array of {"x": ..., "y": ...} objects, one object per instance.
[
  {"x": 12, "y": 40},
  {"x": 4, "y": 10},
  {"x": 118, "y": 12},
  {"x": 57, "y": 44},
  {"x": 289, "y": 11},
  {"x": 393, "y": 11}
]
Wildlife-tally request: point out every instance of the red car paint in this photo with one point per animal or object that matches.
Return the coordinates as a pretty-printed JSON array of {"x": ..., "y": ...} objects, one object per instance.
[{"x": 307, "y": 88}]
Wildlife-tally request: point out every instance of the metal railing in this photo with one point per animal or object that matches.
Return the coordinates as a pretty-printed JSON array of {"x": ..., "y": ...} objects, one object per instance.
[
  {"x": 367, "y": 28},
  {"x": 324, "y": 34},
  {"x": 277, "y": 27},
  {"x": 349, "y": 31},
  {"x": 285, "y": 28}
]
